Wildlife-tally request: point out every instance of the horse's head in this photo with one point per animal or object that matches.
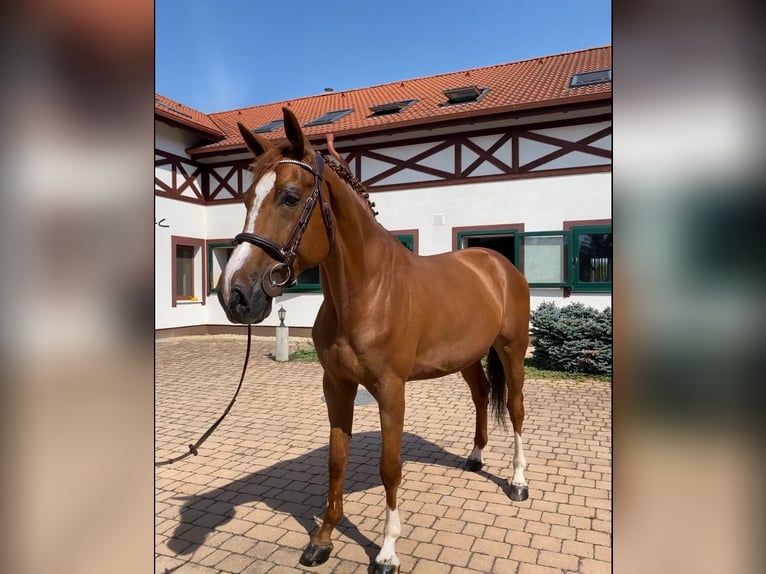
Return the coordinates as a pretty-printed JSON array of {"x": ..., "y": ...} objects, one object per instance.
[{"x": 287, "y": 227}]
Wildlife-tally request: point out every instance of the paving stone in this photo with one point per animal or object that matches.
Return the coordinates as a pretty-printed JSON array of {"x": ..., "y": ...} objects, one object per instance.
[
  {"x": 524, "y": 554},
  {"x": 558, "y": 560},
  {"x": 577, "y": 548},
  {"x": 257, "y": 491},
  {"x": 595, "y": 567},
  {"x": 537, "y": 569},
  {"x": 234, "y": 563}
]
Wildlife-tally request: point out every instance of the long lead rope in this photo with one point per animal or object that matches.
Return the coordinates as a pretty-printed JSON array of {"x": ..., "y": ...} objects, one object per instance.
[{"x": 193, "y": 447}]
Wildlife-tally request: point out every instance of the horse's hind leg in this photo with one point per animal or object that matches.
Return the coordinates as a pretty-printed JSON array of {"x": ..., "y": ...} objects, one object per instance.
[
  {"x": 340, "y": 410},
  {"x": 479, "y": 385},
  {"x": 512, "y": 357}
]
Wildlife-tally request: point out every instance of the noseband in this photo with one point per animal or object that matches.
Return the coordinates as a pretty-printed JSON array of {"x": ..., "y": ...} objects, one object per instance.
[{"x": 282, "y": 275}]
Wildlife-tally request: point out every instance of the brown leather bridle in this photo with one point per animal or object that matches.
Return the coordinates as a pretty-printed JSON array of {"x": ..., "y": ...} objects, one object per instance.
[{"x": 282, "y": 275}]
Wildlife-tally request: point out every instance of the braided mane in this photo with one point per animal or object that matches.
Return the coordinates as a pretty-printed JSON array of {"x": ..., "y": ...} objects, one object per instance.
[{"x": 351, "y": 180}]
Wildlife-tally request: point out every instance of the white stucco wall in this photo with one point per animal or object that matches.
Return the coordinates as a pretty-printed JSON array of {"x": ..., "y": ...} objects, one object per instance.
[
  {"x": 187, "y": 220},
  {"x": 541, "y": 204},
  {"x": 173, "y": 140}
]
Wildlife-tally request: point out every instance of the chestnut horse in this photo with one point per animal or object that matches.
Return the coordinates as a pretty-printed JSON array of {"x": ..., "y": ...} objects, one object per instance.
[{"x": 388, "y": 315}]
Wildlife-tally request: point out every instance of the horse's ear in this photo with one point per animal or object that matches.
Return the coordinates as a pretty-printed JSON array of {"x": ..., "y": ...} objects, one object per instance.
[
  {"x": 257, "y": 144},
  {"x": 294, "y": 133}
]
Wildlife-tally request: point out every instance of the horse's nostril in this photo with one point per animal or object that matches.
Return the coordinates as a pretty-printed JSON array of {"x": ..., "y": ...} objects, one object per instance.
[{"x": 237, "y": 298}]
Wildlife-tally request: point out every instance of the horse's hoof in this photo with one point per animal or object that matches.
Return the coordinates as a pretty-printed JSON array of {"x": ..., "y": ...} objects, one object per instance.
[
  {"x": 315, "y": 554},
  {"x": 473, "y": 465},
  {"x": 385, "y": 569},
  {"x": 519, "y": 492}
]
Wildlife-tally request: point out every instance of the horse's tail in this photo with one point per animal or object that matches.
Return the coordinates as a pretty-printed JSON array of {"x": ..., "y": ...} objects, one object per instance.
[{"x": 498, "y": 392}]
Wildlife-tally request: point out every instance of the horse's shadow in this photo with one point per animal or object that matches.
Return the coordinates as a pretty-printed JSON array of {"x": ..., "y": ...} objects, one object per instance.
[{"x": 298, "y": 487}]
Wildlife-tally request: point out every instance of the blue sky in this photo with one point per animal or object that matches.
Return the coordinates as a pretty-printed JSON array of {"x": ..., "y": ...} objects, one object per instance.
[{"x": 227, "y": 54}]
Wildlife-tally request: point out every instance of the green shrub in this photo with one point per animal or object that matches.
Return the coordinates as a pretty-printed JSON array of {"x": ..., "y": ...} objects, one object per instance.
[{"x": 573, "y": 339}]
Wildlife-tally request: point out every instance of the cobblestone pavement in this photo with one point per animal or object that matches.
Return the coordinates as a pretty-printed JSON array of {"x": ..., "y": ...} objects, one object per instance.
[{"x": 257, "y": 489}]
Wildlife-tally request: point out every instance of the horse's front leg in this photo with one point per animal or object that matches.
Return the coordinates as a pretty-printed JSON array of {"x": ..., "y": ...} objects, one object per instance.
[
  {"x": 340, "y": 410},
  {"x": 391, "y": 402}
]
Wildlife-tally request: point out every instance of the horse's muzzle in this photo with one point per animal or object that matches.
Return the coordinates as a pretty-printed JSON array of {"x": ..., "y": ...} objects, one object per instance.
[{"x": 246, "y": 305}]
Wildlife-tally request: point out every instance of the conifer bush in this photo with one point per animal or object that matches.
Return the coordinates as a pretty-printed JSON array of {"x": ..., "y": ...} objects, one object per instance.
[{"x": 573, "y": 339}]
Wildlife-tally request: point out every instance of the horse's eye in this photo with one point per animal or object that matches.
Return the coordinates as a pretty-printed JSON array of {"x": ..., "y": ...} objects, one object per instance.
[{"x": 291, "y": 199}]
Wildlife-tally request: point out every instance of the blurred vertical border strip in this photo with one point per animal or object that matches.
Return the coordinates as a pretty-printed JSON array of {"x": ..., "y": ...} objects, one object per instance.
[
  {"x": 77, "y": 328},
  {"x": 688, "y": 306}
]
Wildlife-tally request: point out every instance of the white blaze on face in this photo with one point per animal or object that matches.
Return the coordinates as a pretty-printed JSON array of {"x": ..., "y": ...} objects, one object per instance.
[{"x": 242, "y": 251}]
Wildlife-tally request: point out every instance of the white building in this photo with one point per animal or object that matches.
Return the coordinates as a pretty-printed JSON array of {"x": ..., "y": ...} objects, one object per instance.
[{"x": 516, "y": 157}]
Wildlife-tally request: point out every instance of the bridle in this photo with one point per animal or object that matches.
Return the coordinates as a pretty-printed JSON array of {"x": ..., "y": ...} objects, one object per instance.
[
  {"x": 284, "y": 256},
  {"x": 282, "y": 275}
]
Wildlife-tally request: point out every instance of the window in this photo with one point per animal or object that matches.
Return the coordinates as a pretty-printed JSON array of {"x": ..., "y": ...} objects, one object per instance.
[
  {"x": 543, "y": 258},
  {"x": 218, "y": 254},
  {"x": 504, "y": 242},
  {"x": 408, "y": 241},
  {"x": 390, "y": 108},
  {"x": 184, "y": 272},
  {"x": 307, "y": 281},
  {"x": 187, "y": 269},
  {"x": 463, "y": 95},
  {"x": 269, "y": 127},
  {"x": 592, "y": 258},
  {"x": 590, "y": 78},
  {"x": 328, "y": 118},
  {"x": 500, "y": 238},
  {"x": 578, "y": 258},
  {"x": 408, "y": 238}
]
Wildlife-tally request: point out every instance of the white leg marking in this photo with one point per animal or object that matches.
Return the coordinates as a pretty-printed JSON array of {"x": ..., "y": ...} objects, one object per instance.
[
  {"x": 391, "y": 532},
  {"x": 243, "y": 250},
  {"x": 476, "y": 455},
  {"x": 519, "y": 462}
]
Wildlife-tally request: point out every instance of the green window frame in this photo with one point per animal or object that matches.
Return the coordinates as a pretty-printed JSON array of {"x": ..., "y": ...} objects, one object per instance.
[
  {"x": 581, "y": 257},
  {"x": 214, "y": 263},
  {"x": 556, "y": 259},
  {"x": 406, "y": 239},
  {"x": 591, "y": 258},
  {"x": 542, "y": 258},
  {"x": 308, "y": 282}
]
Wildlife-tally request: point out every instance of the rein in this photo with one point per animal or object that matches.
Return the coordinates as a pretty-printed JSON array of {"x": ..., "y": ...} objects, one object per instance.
[
  {"x": 282, "y": 274},
  {"x": 193, "y": 447},
  {"x": 284, "y": 255}
]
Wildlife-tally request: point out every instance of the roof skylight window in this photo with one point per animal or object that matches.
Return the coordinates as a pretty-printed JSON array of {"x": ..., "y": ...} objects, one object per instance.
[
  {"x": 463, "y": 95},
  {"x": 590, "y": 78},
  {"x": 328, "y": 118},
  {"x": 390, "y": 108},
  {"x": 269, "y": 127}
]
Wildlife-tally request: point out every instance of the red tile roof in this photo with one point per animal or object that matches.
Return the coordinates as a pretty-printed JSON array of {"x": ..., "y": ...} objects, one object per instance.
[
  {"x": 179, "y": 113},
  {"x": 529, "y": 84}
]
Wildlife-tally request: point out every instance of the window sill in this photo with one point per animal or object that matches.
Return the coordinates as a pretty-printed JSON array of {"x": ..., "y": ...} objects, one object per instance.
[
  {"x": 189, "y": 302},
  {"x": 606, "y": 289}
]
